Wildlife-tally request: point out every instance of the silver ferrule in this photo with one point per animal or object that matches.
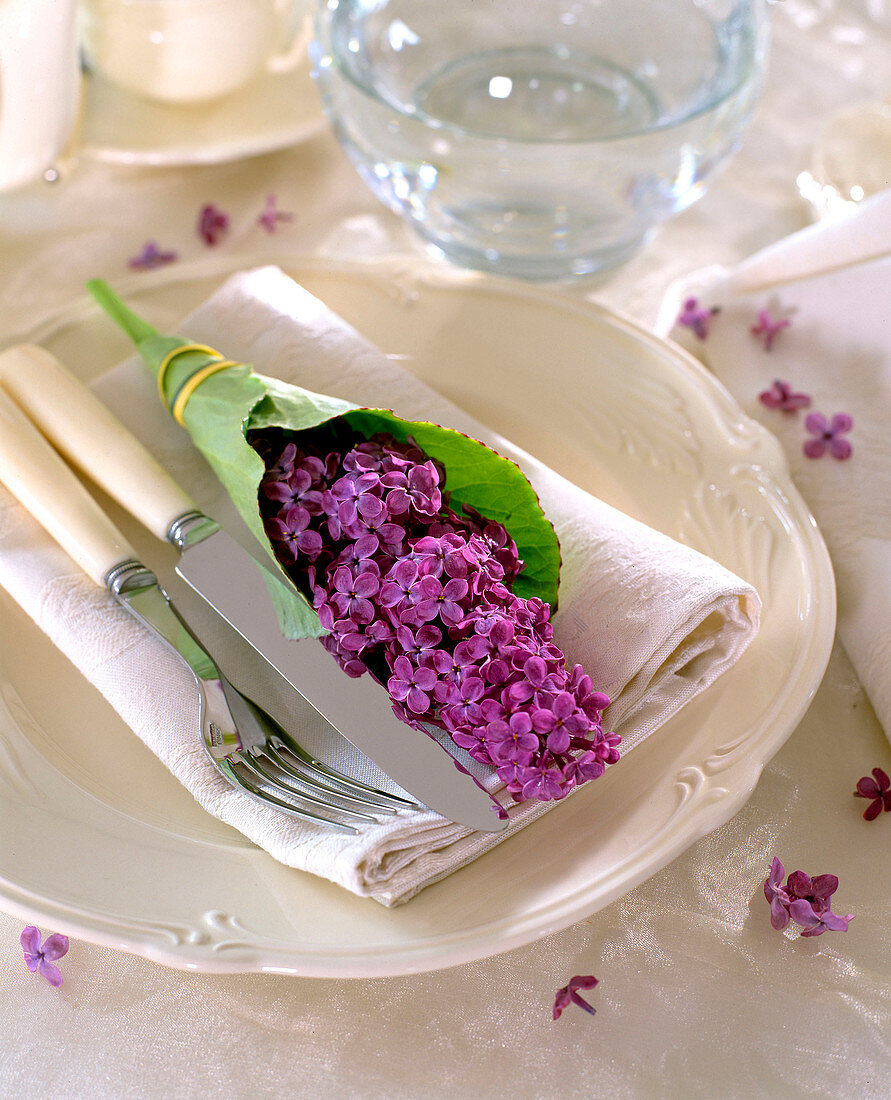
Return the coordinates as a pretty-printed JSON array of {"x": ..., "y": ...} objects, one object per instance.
[
  {"x": 189, "y": 528},
  {"x": 129, "y": 576}
]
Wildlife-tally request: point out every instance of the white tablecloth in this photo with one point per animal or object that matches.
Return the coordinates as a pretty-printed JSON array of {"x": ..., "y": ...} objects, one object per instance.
[{"x": 698, "y": 995}]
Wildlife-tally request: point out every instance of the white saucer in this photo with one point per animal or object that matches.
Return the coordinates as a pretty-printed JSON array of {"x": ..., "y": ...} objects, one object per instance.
[{"x": 272, "y": 112}]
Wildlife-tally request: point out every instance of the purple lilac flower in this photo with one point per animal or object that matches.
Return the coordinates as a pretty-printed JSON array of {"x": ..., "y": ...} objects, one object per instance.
[
  {"x": 541, "y": 782},
  {"x": 420, "y": 643},
  {"x": 776, "y": 895},
  {"x": 282, "y": 468},
  {"x": 213, "y": 224},
  {"x": 781, "y": 396},
  {"x": 399, "y": 590},
  {"x": 270, "y": 216},
  {"x": 828, "y": 435},
  {"x": 814, "y": 922},
  {"x": 295, "y": 488},
  {"x": 569, "y": 994},
  {"x": 41, "y": 957},
  {"x": 809, "y": 903},
  {"x": 590, "y": 765},
  {"x": 433, "y": 599},
  {"x": 411, "y": 684},
  {"x": 514, "y": 739},
  {"x": 419, "y": 596},
  {"x": 803, "y": 900},
  {"x": 696, "y": 317},
  {"x": 767, "y": 328},
  {"x": 289, "y": 533},
  {"x": 152, "y": 256},
  {"x": 877, "y": 788}
]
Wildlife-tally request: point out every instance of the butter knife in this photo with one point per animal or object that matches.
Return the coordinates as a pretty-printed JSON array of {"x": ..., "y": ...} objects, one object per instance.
[{"x": 237, "y": 587}]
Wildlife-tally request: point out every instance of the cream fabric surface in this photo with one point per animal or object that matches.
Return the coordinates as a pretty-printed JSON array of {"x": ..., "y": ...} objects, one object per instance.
[
  {"x": 698, "y": 996},
  {"x": 663, "y": 620},
  {"x": 837, "y": 349}
]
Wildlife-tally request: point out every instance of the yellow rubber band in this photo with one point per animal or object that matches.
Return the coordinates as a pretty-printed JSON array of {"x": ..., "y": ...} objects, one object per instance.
[
  {"x": 191, "y": 384},
  {"x": 171, "y": 355}
]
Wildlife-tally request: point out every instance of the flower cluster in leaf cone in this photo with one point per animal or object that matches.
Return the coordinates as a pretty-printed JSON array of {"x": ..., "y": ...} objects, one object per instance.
[{"x": 420, "y": 596}]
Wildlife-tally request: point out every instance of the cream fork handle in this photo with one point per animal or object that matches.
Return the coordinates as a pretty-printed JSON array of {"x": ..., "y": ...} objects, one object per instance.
[
  {"x": 36, "y": 475},
  {"x": 92, "y": 438}
]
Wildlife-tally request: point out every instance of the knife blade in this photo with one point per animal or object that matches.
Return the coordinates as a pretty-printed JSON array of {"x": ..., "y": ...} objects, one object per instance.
[{"x": 238, "y": 587}]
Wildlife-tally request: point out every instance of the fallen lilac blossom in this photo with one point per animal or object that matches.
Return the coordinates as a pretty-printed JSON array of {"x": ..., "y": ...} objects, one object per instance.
[
  {"x": 271, "y": 215},
  {"x": 41, "y": 958},
  {"x": 803, "y": 900},
  {"x": 213, "y": 224},
  {"x": 828, "y": 436},
  {"x": 151, "y": 257},
  {"x": 781, "y": 396},
  {"x": 697, "y": 318},
  {"x": 569, "y": 995},
  {"x": 877, "y": 788},
  {"x": 768, "y": 329}
]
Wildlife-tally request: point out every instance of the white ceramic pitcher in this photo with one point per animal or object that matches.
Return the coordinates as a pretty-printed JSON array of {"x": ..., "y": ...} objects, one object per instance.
[
  {"x": 39, "y": 86},
  {"x": 191, "y": 51}
]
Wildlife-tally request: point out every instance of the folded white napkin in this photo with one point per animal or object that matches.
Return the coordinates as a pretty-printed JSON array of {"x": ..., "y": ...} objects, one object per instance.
[
  {"x": 836, "y": 349},
  {"x": 652, "y": 621}
]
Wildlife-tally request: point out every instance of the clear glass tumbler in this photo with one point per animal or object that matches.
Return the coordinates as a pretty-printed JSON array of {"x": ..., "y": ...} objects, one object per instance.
[{"x": 538, "y": 138}]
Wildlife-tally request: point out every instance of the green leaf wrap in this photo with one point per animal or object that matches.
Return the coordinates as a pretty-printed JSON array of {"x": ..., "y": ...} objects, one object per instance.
[{"x": 234, "y": 400}]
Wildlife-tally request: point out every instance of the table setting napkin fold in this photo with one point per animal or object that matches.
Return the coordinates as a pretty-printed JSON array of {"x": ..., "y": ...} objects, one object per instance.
[
  {"x": 828, "y": 288},
  {"x": 652, "y": 621}
]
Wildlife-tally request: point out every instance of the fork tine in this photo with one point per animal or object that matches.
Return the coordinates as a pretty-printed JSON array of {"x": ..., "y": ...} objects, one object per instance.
[
  {"x": 278, "y": 739},
  {"x": 400, "y": 802},
  {"x": 258, "y": 794},
  {"x": 255, "y": 746},
  {"x": 253, "y": 763},
  {"x": 308, "y": 770},
  {"x": 233, "y": 736},
  {"x": 251, "y": 715}
]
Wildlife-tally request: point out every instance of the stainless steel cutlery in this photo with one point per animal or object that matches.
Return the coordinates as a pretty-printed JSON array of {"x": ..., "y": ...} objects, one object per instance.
[
  {"x": 237, "y": 587},
  {"x": 246, "y": 746}
]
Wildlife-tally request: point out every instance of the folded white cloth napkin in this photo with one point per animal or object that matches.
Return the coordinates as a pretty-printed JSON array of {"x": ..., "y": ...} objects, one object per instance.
[
  {"x": 652, "y": 621},
  {"x": 836, "y": 349}
]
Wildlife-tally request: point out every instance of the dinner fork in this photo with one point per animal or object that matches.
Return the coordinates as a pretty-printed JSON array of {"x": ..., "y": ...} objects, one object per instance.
[{"x": 245, "y": 745}]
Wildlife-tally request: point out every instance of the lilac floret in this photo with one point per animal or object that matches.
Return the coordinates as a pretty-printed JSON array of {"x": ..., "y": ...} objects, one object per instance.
[
  {"x": 41, "y": 958},
  {"x": 411, "y": 684},
  {"x": 828, "y": 435},
  {"x": 569, "y": 994},
  {"x": 804, "y": 900}
]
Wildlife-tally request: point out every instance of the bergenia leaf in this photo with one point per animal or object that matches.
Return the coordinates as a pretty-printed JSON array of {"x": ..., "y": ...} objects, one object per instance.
[{"x": 493, "y": 485}]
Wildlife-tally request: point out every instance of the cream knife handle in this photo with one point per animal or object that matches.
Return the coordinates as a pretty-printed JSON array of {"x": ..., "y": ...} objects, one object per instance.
[
  {"x": 37, "y": 476},
  {"x": 92, "y": 438}
]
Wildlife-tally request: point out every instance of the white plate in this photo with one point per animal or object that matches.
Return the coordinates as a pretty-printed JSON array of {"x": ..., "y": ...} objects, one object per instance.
[
  {"x": 100, "y": 842},
  {"x": 274, "y": 111}
]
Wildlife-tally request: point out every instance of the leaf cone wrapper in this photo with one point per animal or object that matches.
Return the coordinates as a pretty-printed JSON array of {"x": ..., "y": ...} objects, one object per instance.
[{"x": 231, "y": 402}]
